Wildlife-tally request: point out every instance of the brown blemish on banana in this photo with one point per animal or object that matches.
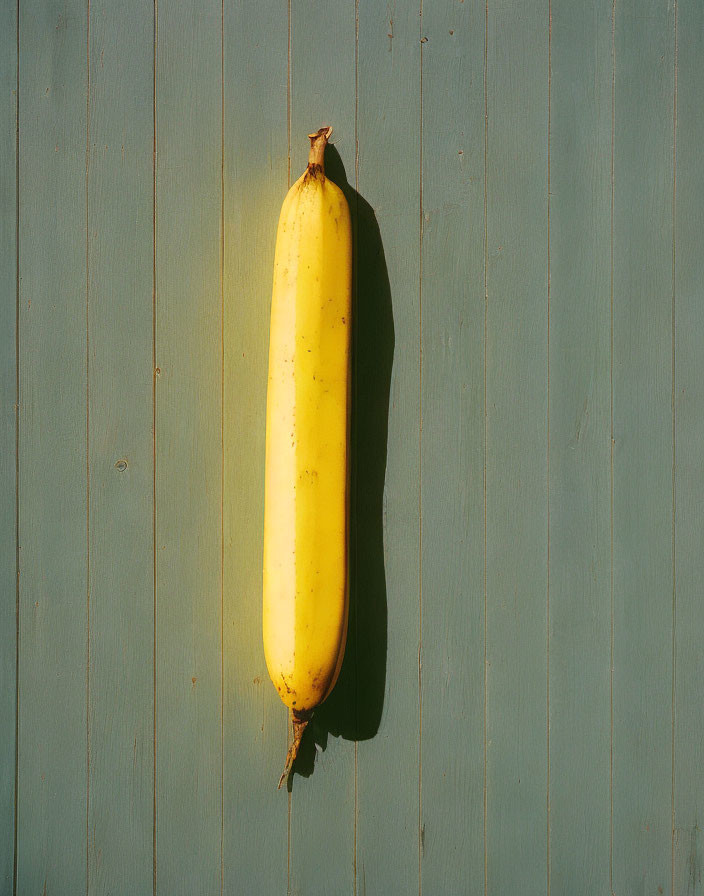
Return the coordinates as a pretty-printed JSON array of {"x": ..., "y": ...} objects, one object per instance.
[{"x": 313, "y": 171}]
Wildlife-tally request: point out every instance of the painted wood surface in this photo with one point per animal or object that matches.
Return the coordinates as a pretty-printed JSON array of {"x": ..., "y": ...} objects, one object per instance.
[
  {"x": 52, "y": 747},
  {"x": 8, "y": 439},
  {"x": 688, "y": 393},
  {"x": 524, "y": 657},
  {"x": 579, "y": 447},
  {"x": 255, "y": 140},
  {"x": 120, "y": 448},
  {"x": 517, "y": 448},
  {"x": 643, "y": 448},
  {"x": 388, "y": 336},
  {"x": 452, "y": 450},
  {"x": 188, "y": 730}
]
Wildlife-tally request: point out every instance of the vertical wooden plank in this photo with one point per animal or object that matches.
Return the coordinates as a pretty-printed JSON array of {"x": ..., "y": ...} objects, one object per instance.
[
  {"x": 8, "y": 439},
  {"x": 120, "y": 376},
  {"x": 188, "y": 448},
  {"x": 322, "y": 91},
  {"x": 388, "y": 363},
  {"x": 517, "y": 446},
  {"x": 689, "y": 437},
  {"x": 256, "y": 153},
  {"x": 642, "y": 398},
  {"x": 52, "y": 515},
  {"x": 452, "y": 821},
  {"x": 580, "y": 433}
]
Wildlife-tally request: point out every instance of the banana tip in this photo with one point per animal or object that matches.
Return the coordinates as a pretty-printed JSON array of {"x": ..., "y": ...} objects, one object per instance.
[
  {"x": 299, "y": 726},
  {"x": 323, "y": 132}
]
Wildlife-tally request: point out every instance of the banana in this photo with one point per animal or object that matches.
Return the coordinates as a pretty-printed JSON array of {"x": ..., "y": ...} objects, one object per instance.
[{"x": 307, "y": 445}]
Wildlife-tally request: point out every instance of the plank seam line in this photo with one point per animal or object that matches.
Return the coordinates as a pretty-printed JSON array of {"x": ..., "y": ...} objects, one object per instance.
[
  {"x": 611, "y": 454},
  {"x": 547, "y": 473},
  {"x": 674, "y": 431},
  {"x": 222, "y": 446},
  {"x": 289, "y": 112},
  {"x": 485, "y": 446},
  {"x": 420, "y": 462},
  {"x": 87, "y": 247},
  {"x": 355, "y": 392},
  {"x": 17, "y": 452},
  {"x": 288, "y": 95},
  {"x": 154, "y": 418},
  {"x": 288, "y": 839}
]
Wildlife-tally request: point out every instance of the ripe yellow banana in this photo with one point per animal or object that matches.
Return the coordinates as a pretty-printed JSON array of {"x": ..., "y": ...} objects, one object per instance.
[{"x": 307, "y": 444}]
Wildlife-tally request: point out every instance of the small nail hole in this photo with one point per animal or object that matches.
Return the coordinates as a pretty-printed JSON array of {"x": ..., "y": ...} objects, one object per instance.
[{"x": 121, "y": 465}]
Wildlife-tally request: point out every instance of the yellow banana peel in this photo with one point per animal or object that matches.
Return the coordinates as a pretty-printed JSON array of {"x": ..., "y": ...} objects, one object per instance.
[{"x": 307, "y": 444}]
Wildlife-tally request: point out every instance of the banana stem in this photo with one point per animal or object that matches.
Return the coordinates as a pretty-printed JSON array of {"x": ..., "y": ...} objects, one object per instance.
[
  {"x": 298, "y": 722},
  {"x": 318, "y": 142}
]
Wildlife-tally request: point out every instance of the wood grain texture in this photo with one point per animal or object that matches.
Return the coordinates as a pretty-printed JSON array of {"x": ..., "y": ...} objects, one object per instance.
[
  {"x": 689, "y": 437},
  {"x": 388, "y": 832},
  {"x": 517, "y": 447},
  {"x": 452, "y": 819},
  {"x": 642, "y": 401},
  {"x": 120, "y": 380},
  {"x": 8, "y": 439},
  {"x": 255, "y": 172},
  {"x": 580, "y": 453},
  {"x": 322, "y": 92},
  {"x": 53, "y": 625},
  {"x": 188, "y": 433}
]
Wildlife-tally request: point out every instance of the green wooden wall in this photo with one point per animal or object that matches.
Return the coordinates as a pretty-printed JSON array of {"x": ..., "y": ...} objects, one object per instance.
[{"x": 520, "y": 709}]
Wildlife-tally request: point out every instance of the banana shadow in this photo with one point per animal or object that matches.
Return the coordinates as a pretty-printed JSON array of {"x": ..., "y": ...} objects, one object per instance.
[{"x": 353, "y": 709}]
